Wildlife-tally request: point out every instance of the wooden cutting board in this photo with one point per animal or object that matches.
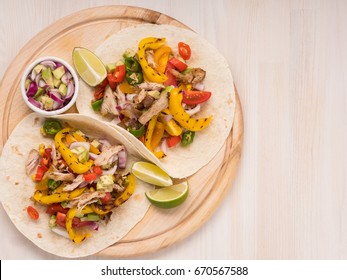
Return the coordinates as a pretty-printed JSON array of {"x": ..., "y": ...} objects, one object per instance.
[{"x": 88, "y": 28}]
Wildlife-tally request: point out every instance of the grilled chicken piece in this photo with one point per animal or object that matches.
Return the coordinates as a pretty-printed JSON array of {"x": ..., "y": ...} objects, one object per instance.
[
  {"x": 85, "y": 199},
  {"x": 120, "y": 96},
  {"x": 157, "y": 106},
  {"x": 58, "y": 176},
  {"x": 75, "y": 184},
  {"x": 194, "y": 76},
  {"x": 32, "y": 161},
  {"x": 150, "y": 58},
  {"x": 109, "y": 104},
  {"x": 150, "y": 86},
  {"x": 108, "y": 156},
  {"x": 130, "y": 112},
  {"x": 148, "y": 101}
]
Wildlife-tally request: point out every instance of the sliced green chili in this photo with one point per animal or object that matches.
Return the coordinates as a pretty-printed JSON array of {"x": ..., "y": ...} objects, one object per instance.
[{"x": 187, "y": 137}]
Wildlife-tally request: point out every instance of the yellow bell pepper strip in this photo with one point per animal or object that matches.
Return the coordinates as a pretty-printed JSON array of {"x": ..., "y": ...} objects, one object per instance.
[
  {"x": 157, "y": 134},
  {"x": 149, "y": 132},
  {"x": 129, "y": 190},
  {"x": 41, "y": 197},
  {"x": 150, "y": 43},
  {"x": 126, "y": 88},
  {"x": 178, "y": 113},
  {"x": 94, "y": 150},
  {"x": 171, "y": 127},
  {"x": 68, "y": 156},
  {"x": 86, "y": 210},
  {"x": 99, "y": 211},
  {"x": 69, "y": 139},
  {"x": 79, "y": 137},
  {"x": 161, "y": 57},
  {"x": 74, "y": 236},
  {"x": 159, "y": 154}
]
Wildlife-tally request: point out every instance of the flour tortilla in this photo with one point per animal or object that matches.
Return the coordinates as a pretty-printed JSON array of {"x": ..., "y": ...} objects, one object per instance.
[
  {"x": 17, "y": 188},
  {"x": 180, "y": 161}
]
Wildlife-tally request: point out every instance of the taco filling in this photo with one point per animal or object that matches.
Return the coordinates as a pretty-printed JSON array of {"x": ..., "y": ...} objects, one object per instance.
[
  {"x": 154, "y": 94},
  {"x": 79, "y": 179}
]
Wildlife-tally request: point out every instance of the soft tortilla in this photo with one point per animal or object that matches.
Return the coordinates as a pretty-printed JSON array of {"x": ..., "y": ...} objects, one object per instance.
[
  {"x": 180, "y": 161},
  {"x": 17, "y": 188}
]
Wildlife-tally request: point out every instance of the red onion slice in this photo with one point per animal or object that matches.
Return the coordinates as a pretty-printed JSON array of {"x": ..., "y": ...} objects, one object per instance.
[
  {"x": 42, "y": 84},
  {"x": 70, "y": 90},
  {"x": 93, "y": 156},
  {"x": 194, "y": 110},
  {"x": 110, "y": 171},
  {"x": 122, "y": 159},
  {"x": 33, "y": 75},
  {"x": 55, "y": 95},
  {"x": 35, "y": 103},
  {"x": 199, "y": 86},
  {"x": 74, "y": 145},
  {"x": 105, "y": 144},
  {"x": 163, "y": 146},
  {"x": 49, "y": 63},
  {"x": 38, "y": 78},
  {"x": 32, "y": 89}
]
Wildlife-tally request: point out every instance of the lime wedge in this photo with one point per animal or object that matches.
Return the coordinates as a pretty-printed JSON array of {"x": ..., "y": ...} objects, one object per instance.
[
  {"x": 89, "y": 66},
  {"x": 151, "y": 174},
  {"x": 169, "y": 197}
]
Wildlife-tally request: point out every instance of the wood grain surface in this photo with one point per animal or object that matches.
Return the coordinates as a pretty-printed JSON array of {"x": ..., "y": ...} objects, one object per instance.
[{"x": 289, "y": 62}]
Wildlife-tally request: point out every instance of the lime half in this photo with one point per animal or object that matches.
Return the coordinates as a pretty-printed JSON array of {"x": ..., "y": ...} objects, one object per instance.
[
  {"x": 169, "y": 197},
  {"x": 89, "y": 66},
  {"x": 150, "y": 173}
]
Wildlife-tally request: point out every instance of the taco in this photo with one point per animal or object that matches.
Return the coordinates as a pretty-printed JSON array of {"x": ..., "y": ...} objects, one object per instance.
[
  {"x": 181, "y": 110},
  {"x": 75, "y": 184}
]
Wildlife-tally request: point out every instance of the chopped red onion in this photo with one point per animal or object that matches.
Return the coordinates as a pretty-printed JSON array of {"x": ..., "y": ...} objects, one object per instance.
[
  {"x": 33, "y": 75},
  {"x": 199, "y": 86},
  {"x": 110, "y": 171},
  {"x": 38, "y": 78},
  {"x": 74, "y": 145},
  {"x": 35, "y": 103},
  {"x": 70, "y": 90},
  {"x": 105, "y": 144},
  {"x": 163, "y": 146},
  {"x": 32, "y": 89},
  {"x": 61, "y": 231},
  {"x": 194, "y": 110},
  {"x": 93, "y": 156},
  {"x": 122, "y": 159},
  {"x": 56, "y": 96},
  {"x": 42, "y": 84},
  {"x": 49, "y": 63}
]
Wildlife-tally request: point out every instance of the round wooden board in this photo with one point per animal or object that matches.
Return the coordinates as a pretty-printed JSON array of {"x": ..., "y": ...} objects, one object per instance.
[{"x": 88, "y": 28}]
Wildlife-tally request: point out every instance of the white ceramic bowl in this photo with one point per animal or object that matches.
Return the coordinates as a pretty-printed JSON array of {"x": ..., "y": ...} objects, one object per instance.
[{"x": 28, "y": 71}]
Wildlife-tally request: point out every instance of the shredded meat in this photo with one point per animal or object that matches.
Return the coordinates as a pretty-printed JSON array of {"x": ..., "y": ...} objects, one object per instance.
[
  {"x": 194, "y": 76},
  {"x": 85, "y": 199},
  {"x": 150, "y": 86},
  {"x": 58, "y": 176},
  {"x": 109, "y": 155},
  {"x": 75, "y": 184},
  {"x": 155, "y": 109},
  {"x": 109, "y": 104},
  {"x": 32, "y": 161}
]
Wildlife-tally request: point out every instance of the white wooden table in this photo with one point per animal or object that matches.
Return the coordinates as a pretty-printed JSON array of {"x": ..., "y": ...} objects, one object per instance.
[{"x": 289, "y": 62}]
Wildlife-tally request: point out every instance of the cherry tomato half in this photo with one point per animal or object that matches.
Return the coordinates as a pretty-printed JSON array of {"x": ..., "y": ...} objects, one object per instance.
[
  {"x": 194, "y": 97},
  {"x": 178, "y": 64},
  {"x": 184, "y": 50},
  {"x": 32, "y": 212},
  {"x": 172, "y": 141}
]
